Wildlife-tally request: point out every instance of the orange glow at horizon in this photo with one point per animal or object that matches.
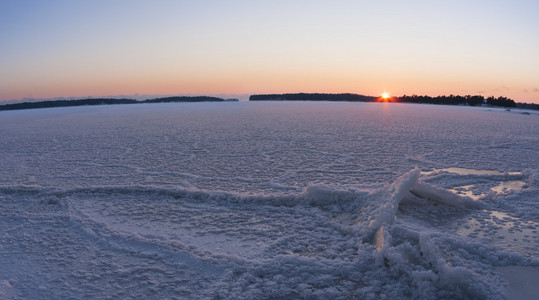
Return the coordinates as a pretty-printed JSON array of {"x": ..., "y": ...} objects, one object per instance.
[{"x": 385, "y": 97}]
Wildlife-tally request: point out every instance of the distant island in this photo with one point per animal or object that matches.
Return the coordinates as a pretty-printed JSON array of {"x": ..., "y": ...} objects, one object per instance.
[
  {"x": 313, "y": 97},
  {"x": 184, "y": 99},
  {"x": 104, "y": 101},
  {"x": 476, "y": 100}
]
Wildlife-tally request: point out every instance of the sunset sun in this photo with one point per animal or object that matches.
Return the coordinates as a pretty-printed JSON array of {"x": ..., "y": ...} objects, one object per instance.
[{"x": 385, "y": 96}]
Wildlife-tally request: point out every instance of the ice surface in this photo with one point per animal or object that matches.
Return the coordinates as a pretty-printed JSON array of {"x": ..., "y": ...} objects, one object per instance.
[
  {"x": 523, "y": 281},
  {"x": 267, "y": 200}
]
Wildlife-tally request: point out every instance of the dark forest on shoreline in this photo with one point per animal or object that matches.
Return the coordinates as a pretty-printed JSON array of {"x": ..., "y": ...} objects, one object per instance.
[
  {"x": 476, "y": 100},
  {"x": 104, "y": 101}
]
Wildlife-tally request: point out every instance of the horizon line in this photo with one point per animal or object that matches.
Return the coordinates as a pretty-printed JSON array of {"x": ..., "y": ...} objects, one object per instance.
[{"x": 142, "y": 97}]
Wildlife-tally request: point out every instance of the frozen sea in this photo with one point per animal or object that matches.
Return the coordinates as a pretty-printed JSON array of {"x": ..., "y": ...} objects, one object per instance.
[{"x": 269, "y": 200}]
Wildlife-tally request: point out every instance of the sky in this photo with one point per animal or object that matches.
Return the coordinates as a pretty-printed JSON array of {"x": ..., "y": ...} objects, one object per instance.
[{"x": 77, "y": 48}]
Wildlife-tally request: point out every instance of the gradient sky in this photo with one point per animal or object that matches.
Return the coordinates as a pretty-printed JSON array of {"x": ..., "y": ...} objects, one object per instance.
[{"x": 102, "y": 48}]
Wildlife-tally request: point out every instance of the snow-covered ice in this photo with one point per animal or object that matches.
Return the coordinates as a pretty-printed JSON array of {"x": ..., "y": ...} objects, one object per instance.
[{"x": 277, "y": 200}]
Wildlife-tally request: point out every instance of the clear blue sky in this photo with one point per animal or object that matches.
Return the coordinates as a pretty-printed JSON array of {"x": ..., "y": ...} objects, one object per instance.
[{"x": 97, "y": 48}]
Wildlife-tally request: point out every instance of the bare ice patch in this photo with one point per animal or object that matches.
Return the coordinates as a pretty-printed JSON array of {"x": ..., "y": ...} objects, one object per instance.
[
  {"x": 493, "y": 181},
  {"x": 465, "y": 171},
  {"x": 523, "y": 281}
]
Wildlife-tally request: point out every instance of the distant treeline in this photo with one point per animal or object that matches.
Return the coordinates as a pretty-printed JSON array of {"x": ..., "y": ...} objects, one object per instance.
[
  {"x": 527, "y": 106},
  {"x": 458, "y": 100},
  {"x": 444, "y": 100},
  {"x": 184, "y": 99},
  {"x": 470, "y": 100},
  {"x": 312, "y": 97},
  {"x": 102, "y": 101}
]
